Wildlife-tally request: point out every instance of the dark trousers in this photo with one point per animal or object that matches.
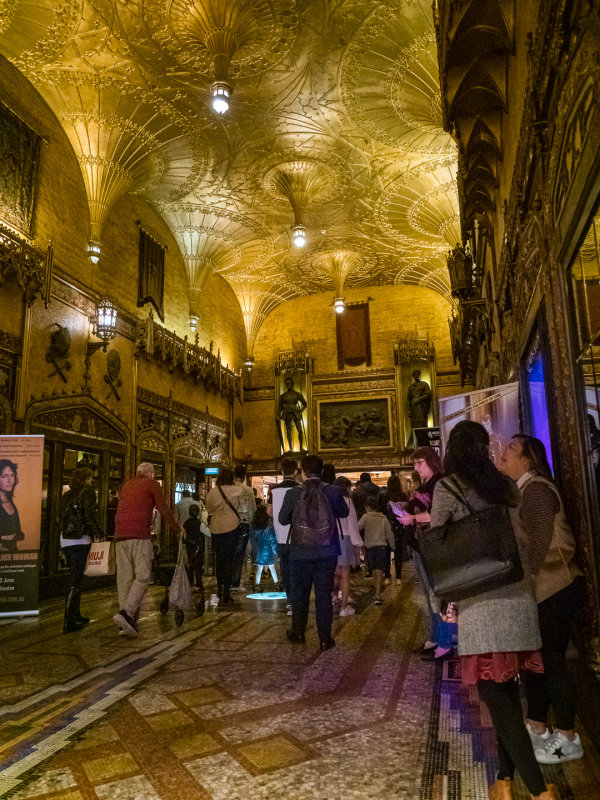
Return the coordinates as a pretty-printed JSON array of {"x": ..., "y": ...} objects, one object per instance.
[
  {"x": 515, "y": 750},
  {"x": 224, "y": 547},
  {"x": 240, "y": 552},
  {"x": 304, "y": 573},
  {"x": 76, "y": 556},
  {"x": 398, "y": 552},
  {"x": 555, "y": 686},
  {"x": 283, "y": 551},
  {"x": 195, "y": 569}
]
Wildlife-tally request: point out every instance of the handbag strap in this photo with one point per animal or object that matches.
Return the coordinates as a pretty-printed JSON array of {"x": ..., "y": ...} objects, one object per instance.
[
  {"x": 458, "y": 494},
  {"x": 224, "y": 496}
]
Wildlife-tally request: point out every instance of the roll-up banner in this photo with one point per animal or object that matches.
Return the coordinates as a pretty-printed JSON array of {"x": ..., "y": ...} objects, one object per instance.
[{"x": 21, "y": 468}]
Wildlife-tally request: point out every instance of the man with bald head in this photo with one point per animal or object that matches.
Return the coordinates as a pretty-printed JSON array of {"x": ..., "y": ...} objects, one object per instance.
[{"x": 134, "y": 552}]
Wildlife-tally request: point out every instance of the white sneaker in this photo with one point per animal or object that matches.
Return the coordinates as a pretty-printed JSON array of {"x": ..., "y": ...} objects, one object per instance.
[
  {"x": 537, "y": 739},
  {"x": 347, "y": 612},
  {"x": 557, "y": 748}
]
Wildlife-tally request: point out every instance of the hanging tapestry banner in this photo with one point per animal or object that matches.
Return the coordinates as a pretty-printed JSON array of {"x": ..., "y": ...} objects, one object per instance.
[
  {"x": 19, "y": 157},
  {"x": 151, "y": 273},
  {"x": 354, "y": 336},
  {"x": 21, "y": 469}
]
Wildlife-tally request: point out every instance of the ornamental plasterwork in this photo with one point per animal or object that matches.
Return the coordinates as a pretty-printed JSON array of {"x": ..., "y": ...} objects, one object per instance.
[{"x": 343, "y": 95}]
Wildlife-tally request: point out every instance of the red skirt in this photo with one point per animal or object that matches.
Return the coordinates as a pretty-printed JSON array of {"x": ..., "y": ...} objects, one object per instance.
[{"x": 499, "y": 667}]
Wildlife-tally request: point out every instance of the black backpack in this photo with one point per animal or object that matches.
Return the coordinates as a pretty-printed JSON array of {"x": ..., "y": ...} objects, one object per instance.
[
  {"x": 72, "y": 524},
  {"x": 313, "y": 521}
]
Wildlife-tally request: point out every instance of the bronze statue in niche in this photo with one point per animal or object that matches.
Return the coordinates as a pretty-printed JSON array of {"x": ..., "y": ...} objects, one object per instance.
[
  {"x": 290, "y": 408},
  {"x": 418, "y": 401}
]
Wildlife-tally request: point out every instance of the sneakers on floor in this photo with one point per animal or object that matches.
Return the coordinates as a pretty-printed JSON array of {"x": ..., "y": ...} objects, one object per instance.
[
  {"x": 288, "y": 609},
  {"x": 537, "y": 739},
  {"x": 126, "y": 623},
  {"x": 347, "y": 612},
  {"x": 378, "y": 601},
  {"x": 557, "y": 748}
]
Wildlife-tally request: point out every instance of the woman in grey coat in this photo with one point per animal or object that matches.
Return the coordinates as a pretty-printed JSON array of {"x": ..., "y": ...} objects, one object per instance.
[{"x": 498, "y": 632}]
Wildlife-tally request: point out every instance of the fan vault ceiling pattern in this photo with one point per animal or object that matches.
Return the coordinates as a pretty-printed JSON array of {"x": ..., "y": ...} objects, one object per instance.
[{"x": 334, "y": 124}]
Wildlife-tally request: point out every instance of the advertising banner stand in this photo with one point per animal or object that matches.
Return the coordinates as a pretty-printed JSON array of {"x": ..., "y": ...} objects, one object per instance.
[{"x": 21, "y": 469}]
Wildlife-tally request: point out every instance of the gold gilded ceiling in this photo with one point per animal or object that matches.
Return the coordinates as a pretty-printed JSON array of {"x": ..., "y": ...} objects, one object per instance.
[{"x": 334, "y": 125}]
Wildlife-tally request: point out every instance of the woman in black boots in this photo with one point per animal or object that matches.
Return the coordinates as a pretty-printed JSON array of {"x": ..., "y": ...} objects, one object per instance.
[{"x": 78, "y": 524}]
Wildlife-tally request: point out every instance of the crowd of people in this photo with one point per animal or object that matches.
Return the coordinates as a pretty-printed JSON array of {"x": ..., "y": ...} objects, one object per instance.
[{"x": 319, "y": 528}]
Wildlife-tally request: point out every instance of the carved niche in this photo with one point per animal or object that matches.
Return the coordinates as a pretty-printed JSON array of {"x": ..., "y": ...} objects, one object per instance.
[{"x": 80, "y": 420}]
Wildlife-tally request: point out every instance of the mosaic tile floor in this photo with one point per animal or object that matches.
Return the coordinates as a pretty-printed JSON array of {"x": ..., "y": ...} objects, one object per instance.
[{"x": 225, "y": 708}]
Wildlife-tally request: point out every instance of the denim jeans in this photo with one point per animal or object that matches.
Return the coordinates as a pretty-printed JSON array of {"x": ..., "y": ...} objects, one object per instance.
[
  {"x": 304, "y": 574},
  {"x": 224, "y": 546}
]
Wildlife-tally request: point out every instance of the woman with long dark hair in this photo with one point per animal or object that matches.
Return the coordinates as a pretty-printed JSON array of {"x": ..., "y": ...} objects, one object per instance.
[
  {"x": 428, "y": 466},
  {"x": 10, "y": 524},
  {"x": 498, "y": 631},
  {"x": 222, "y": 504},
  {"x": 395, "y": 493},
  {"x": 79, "y": 524},
  {"x": 554, "y": 571}
]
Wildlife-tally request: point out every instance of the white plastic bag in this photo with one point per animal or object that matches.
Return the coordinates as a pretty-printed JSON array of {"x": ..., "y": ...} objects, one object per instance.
[{"x": 180, "y": 590}]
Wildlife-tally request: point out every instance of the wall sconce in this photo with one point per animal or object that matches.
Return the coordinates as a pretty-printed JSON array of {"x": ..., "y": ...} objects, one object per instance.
[
  {"x": 299, "y": 235},
  {"x": 193, "y": 322},
  {"x": 339, "y": 305},
  {"x": 105, "y": 324},
  {"x": 220, "y": 93},
  {"x": 94, "y": 251},
  {"x": 104, "y": 327}
]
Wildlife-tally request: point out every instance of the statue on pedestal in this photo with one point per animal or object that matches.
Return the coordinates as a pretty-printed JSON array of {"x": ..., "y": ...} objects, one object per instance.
[
  {"x": 291, "y": 406},
  {"x": 418, "y": 401}
]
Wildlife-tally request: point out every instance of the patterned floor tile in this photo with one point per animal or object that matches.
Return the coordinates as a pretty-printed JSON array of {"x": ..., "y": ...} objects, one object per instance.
[
  {"x": 274, "y": 752},
  {"x": 137, "y": 788},
  {"x": 225, "y": 708},
  {"x": 169, "y": 719},
  {"x": 99, "y": 769},
  {"x": 196, "y": 745}
]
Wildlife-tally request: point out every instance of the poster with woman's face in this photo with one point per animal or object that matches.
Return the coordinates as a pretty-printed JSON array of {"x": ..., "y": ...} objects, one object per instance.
[
  {"x": 21, "y": 470},
  {"x": 21, "y": 467}
]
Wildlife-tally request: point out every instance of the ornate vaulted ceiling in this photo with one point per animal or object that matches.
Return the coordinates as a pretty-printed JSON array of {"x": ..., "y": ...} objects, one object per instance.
[{"x": 335, "y": 123}]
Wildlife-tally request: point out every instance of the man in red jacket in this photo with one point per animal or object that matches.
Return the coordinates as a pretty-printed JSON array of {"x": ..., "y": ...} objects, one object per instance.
[{"x": 137, "y": 500}]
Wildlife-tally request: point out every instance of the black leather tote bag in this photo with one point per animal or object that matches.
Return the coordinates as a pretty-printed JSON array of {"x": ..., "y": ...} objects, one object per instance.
[{"x": 473, "y": 555}]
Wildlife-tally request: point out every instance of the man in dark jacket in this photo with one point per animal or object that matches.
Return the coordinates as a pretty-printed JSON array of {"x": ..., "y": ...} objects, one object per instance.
[{"x": 313, "y": 565}]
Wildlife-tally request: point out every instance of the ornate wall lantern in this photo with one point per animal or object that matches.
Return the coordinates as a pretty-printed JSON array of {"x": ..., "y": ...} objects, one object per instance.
[
  {"x": 462, "y": 274},
  {"x": 104, "y": 325}
]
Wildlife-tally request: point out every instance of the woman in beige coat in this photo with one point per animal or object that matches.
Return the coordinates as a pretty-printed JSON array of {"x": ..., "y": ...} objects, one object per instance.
[{"x": 222, "y": 504}]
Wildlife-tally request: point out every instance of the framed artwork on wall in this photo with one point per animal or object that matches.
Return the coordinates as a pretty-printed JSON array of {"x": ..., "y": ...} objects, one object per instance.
[{"x": 354, "y": 424}]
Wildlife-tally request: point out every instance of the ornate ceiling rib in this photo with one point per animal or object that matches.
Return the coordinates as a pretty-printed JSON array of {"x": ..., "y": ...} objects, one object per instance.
[{"x": 336, "y": 119}]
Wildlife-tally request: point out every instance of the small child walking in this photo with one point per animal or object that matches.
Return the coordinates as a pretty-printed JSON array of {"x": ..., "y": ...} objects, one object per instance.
[
  {"x": 194, "y": 545},
  {"x": 377, "y": 533},
  {"x": 265, "y": 545}
]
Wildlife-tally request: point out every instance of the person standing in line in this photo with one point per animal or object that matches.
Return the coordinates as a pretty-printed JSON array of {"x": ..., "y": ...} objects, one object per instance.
[
  {"x": 558, "y": 592},
  {"x": 350, "y": 544},
  {"x": 78, "y": 524},
  {"x": 138, "y": 499},
  {"x": 311, "y": 510},
  {"x": 364, "y": 489},
  {"x": 194, "y": 546},
  {"x": 429, "y": 467},
  {"x": 222, "y": 503},
  {"x": 498, "y": 630},
  {"x": 378, "y": 536},
  {"x": 246, "y": 510},
  {"x": 182, "y": 508},
  {"x": 265, "y": 547},
  {"x": 396, "y": 494},
  {"x": 288, "y": 467}
]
